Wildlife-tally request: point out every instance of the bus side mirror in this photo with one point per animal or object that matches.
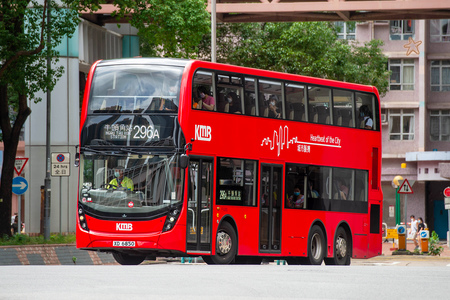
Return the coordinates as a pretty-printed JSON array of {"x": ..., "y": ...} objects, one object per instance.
[
  {"x": 184, "y": 161},
  {"x": 77, "y": 157}
]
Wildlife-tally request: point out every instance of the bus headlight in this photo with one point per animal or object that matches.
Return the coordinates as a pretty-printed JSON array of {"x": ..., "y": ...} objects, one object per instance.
[
  {"x": 82, "y": 219},
  {"x": 171, "y": 218}
]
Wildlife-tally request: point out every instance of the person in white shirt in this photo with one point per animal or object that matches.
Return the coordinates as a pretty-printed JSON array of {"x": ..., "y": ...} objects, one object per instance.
[{"x": 414, "y": 231}]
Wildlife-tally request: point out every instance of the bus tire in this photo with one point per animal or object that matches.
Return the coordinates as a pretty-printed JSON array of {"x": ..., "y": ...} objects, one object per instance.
[
  {"x": 316, "y": 246},
  {"x": 342, "y": 251},
  {"x": 226, "y": 245},
  {"x": 207, "y": 260},
  {"x": 126, "y": 259}
]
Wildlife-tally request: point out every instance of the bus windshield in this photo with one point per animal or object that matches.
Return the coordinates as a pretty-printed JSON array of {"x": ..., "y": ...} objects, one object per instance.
[
  {"x": 135, "y": 89},
  {"x": 139, "y": 186}
]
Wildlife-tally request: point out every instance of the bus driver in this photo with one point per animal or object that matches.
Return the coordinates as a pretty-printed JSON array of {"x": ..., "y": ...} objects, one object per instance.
[{"x": 120, "y": 180}]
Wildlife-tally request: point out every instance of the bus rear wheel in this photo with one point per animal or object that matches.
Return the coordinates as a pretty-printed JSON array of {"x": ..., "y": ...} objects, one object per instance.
[
  {"x": 126, "y": 259},
  {"x": 226, "y": 246},
  {"x": 316, "y": 246},
  {"x": 342, "y": 251}
]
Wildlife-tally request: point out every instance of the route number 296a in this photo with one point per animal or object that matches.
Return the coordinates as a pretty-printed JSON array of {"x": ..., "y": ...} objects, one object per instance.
[{"x": 145, "y": 132}]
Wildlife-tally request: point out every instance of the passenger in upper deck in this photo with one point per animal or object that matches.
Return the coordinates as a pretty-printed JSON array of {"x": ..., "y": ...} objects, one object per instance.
[
  {"x": 273, "y": 109},
  {"x": 208, "y": 101},
  {"x": 364, "y": 112},
  {"x": 234, "y": 104},
  {"x": 169, "y": 96}
]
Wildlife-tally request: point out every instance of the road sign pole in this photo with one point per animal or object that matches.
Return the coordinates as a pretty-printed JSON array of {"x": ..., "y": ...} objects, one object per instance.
[
  {"x": 398, "y": 215},
  {"x": 448, "y": 231},
  {"x": 406, "y": 219},
  {"x": 60, "y": 205},
  {"x": 19, "y": 225}
]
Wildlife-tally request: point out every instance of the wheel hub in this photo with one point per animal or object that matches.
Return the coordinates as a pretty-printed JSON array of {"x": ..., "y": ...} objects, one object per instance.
[
  {"x": 341, "y": 247},
  {"x": 223, "y": 242}
]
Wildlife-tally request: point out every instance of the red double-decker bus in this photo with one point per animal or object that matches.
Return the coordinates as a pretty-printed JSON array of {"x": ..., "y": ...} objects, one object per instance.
[{"x": 237, "y": 165}]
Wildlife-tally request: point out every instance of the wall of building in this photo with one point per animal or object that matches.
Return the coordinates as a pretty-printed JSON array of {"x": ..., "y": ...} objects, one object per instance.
[
  {"x": 428, "y": 187},
  {"x": 65, "y": 118}
]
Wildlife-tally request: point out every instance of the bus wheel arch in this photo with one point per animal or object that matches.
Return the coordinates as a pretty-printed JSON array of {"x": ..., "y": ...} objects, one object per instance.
[
  {"x": 342, "y": 246},
  {"x": 226, "y": 243},
  {"x": 317, "y": 244}
]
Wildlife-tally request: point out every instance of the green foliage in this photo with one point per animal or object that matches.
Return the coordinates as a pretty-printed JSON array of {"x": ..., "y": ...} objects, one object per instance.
[
  {"x": 22, "y": 239},
  {"x": 309, "y": 48},
  {"x": 24, "y": 47},
  {"x": 169, "y": 28},
  {"x": 433, "y": 245}
]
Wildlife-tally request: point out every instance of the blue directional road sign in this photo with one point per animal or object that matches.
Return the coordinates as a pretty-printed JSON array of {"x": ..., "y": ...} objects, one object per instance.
[
  {"x": 19, "y": 185},
  {"x": 401, "y": 229}
]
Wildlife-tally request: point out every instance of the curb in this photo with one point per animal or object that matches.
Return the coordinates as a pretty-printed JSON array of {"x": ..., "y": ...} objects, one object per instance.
[{"x": 52, "y": 254}]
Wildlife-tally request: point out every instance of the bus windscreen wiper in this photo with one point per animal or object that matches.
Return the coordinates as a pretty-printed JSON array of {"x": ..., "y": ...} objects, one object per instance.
[{"x": 103, "y": 152}]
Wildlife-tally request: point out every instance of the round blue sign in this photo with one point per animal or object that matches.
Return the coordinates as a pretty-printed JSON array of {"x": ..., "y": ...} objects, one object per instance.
[
  {"x": 401, "y": 230},
  {"x": 423, "y": 234},
  {"x": 19, "y": 185},
  {"x": 60, "y": 157}
]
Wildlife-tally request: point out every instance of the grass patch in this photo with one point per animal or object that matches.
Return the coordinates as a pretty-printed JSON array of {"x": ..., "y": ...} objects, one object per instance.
[{"x": 23, "y": 239}]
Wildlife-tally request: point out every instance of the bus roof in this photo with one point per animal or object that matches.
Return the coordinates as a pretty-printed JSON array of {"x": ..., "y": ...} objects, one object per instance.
[
  {"x": 145, "y": 60},
  {"x": 233, "y": 68}
]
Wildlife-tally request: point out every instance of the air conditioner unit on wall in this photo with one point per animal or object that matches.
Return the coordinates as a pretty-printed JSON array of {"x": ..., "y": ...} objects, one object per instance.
[{"x": 383, "y": 118}]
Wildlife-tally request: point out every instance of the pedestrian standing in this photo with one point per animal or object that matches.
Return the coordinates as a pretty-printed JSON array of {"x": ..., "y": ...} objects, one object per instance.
[{"x": 414, "y": 232}]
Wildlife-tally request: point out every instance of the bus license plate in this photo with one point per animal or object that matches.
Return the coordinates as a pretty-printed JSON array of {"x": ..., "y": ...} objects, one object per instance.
[{"x": 124, "y": 244}]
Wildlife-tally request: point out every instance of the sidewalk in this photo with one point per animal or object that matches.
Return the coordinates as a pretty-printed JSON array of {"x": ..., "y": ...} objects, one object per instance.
[{"x": 388, "y": 248}]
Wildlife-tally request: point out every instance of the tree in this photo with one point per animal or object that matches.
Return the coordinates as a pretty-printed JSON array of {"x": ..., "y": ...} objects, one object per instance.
[
  {"x": 309, "y": 48},
  {"x": 176, "y": 27},
  {"x": 23, "y": 72},
  {"x": 168, "y": 27}
]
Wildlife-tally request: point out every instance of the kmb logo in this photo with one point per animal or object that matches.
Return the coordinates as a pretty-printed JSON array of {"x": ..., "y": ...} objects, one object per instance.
[
  {"x": 202, "y": 133},
  {"x": 124, "y": 226}
]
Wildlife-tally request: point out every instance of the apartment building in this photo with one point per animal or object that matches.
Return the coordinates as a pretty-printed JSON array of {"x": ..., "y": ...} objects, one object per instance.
[{"x": 415, "y": 114}]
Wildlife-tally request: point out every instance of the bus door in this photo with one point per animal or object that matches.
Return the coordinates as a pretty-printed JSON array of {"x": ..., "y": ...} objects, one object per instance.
[
  {"x": 270, "y": 208},
  {"x": 199, "y": 205}
]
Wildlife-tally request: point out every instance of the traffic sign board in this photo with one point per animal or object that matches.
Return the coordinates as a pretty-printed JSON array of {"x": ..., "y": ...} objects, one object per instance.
[
  {"x": 60, "y": 158},
  {"x": 447, "y": 192},
  {"x": 405, "y": 188},
  {"x": 19, "y": 185},
  {"x": 424, "y": 234},
  {"x": 60, "y": 164},
  {"x": 19, "y": 164},
  {"x": 401, "y": 229}
]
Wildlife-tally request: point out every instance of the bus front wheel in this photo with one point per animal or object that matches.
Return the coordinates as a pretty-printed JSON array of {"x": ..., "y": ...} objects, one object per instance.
[
  {"x": 126, "y": 259},
  {"x": 316, "y": 246},
  {"x": 342, "y": 251},
  {"x": 226, "y": 246}
]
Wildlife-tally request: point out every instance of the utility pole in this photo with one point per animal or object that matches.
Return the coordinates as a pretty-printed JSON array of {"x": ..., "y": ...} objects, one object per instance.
[
  {"x": 47, "y": 181},
  {"x": 213, "y": 30}
]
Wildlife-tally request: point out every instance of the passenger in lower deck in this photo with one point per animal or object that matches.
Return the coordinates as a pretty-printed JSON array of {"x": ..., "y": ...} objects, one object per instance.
[{"x": 297, "y": 200}]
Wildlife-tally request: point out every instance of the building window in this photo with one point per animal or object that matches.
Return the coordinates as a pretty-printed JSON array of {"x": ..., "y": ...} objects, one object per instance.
[
  {"x": 401, "y": 124},
  {"x": 345, "y": 30},
  {"x": 440, "y": 125},
  {"x": 440, "y": 30},
  {"x": 401, "y": 30},
  {"x": 402, "y": 74},
  {"x": 440, "y": 75}
]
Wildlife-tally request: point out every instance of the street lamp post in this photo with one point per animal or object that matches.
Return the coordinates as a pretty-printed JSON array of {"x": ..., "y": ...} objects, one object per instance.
[{"x": 396, "y": 185}]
